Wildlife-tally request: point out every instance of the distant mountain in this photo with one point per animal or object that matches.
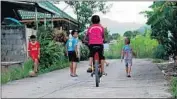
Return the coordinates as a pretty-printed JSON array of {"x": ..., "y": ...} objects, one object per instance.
[
  {"x": 118, "y": 27},
  {"x": 143, "y": 28}
]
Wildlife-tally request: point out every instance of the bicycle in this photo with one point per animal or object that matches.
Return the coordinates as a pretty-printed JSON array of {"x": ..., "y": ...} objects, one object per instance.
[{"x": 96, "y": 68}]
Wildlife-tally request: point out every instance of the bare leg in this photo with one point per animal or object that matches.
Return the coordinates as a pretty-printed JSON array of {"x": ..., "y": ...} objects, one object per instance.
[
  {"x": 35, "y": 65},
  {"x": 129, "y": 70},
  {"x": 71, "y": 68},
  {"x": 74, "y": 68},
  {"x": 102, "y": 66},
  {"x": 126, "y": 70},
  {"x": 105, "y": 62},
  {"x": 91, "y": 61}
]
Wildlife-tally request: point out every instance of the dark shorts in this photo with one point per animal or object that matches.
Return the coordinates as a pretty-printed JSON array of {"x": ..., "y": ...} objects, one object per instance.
[
  {"x": 89, "y": 51},
  {"x": 72, "y": 56},
  {"x": 93, "y": 50},
  {"x": 103, "y": 58}
]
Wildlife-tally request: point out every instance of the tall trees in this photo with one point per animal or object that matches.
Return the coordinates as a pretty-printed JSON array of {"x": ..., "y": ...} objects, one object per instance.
[
  {"x": 85, "y": 9},
  {"x": 128, "y": 34},
  {"x": 163, "y": 21}
]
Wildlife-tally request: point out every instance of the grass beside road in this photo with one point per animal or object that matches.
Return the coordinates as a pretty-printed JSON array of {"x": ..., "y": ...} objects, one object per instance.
[
  {"x": 174, "y": 87},
  {"x": 19, "y": 73}
]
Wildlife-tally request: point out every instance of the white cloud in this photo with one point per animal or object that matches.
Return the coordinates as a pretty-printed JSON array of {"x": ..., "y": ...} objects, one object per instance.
[
  {"x": 63, "y": 6},
  {"x": 121, "y": 11},
  {"x": 127, "y": 11}
]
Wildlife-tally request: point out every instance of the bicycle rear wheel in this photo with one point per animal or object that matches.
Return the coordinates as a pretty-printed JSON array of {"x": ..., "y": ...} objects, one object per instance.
[{"x": 97, "y": 77}]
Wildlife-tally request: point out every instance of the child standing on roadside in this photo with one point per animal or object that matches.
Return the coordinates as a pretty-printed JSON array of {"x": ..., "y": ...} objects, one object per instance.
[
  {"x": 34, "y": 51},
  {"x": 127, "y": 55},
  {"x": 72, "y": 52}
]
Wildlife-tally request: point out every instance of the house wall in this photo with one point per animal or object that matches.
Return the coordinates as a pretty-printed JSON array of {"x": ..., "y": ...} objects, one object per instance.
[
  {"x": 30, "y": 32},
  {"x": 13, "y": 44}
]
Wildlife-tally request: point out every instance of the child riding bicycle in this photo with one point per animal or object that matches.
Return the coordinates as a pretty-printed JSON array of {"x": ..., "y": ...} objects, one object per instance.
[{"x": 95, "y": 35}]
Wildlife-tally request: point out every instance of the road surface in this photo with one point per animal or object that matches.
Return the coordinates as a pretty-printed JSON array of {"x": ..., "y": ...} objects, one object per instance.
[{"x": 147, "y": 81}]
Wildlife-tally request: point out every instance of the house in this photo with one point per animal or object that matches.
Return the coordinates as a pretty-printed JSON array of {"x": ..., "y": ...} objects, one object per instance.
[
  {"x": 14, "y": 38},
  {"x": 41, "y": 12}
]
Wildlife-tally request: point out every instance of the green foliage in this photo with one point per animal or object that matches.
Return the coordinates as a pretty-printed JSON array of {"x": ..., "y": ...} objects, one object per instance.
[
  {"x": 106, "y": 34},
  {"x": 84, "y": 52},
  {"x": 27, "y": 67},
  {"x": 85, "y": 9},
  {"x": 163, "y": 23},
  {"x": 114, "y": 51},
  {"x": 159, "y": 52},
  {"x": 128, "y": 34},
  {"x": 116, "y": 36},
  {"x": 60, "y": 35},
  {"x": 52, "y": 58},
  {"x": 131, "y": 34},
  {"x": 143, "y": 46},
  {"x": 174, "y": 87},
  {"x": 5, "y": 77},
  {"x": 51, "y": 51},
  {"x": 17, "y": 73}
]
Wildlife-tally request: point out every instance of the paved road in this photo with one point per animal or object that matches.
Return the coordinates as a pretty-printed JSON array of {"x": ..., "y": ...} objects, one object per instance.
[{"x": 147, "y": 82}]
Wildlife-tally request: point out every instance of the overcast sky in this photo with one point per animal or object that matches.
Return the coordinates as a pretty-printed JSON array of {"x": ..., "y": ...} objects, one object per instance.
[{"x": 121, "y": 11}]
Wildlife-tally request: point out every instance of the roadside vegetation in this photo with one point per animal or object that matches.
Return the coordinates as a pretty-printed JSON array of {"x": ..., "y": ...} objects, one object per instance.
[
  {"x": 142, "y": 45},
  {"x": 163, "y": 21},
  {"x": 174, "y": 87},
  {"x": 52, "y": 58},
  {"x": 16, "y": 73}
]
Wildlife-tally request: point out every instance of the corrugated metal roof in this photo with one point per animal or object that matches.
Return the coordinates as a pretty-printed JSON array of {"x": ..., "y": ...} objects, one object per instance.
[
  {"x": 46, "y": 5},
  {"x": 31, "y": 15},
  {"x": 28, "y": 6}
]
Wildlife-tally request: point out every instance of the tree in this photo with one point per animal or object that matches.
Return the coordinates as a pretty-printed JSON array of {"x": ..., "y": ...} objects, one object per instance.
[
  {"x": 110, "y": 38},
  {"x": 135, "y": 33},
  {"x": 85, "y": 9},
  {"x": 115, "y": 36},
  {"x": 106, "y": 33},
  {"x": 128, "y": 34},
  {"x": 163, "y": 21}
]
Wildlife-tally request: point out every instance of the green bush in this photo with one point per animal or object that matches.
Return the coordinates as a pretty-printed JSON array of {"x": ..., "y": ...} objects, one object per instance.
[
  {"x": 5, "y": 77},
  {"x": 16, "y": 73},
  {"x": 27, "y": 67},
  {"x": 84, "y": 52},
  {"x": 143, "y": 46},
  {"x": 114, "y": 51},
  {"x": 51, "y": 51},
  {"x": 159, "y": 52},
  {"x": 174, "y": 87}
]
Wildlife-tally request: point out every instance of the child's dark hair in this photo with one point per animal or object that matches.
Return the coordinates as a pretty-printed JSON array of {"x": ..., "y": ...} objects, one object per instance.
[
  {"x": 95, "y": 19},
  {"x": 128, "y": 40},
  {"x": 32, "y": 37},
  {"x": 72, "y": 33}
]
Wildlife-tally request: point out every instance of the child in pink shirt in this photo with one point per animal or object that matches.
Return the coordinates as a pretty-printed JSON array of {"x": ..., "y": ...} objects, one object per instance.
[{"x": 95, "y": 35}]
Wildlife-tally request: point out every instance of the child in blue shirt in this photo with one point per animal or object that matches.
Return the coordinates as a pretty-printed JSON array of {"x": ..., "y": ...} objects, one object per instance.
[
  {"x": 127, "y": 55},
  {"x": 72, "y": 53}
]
